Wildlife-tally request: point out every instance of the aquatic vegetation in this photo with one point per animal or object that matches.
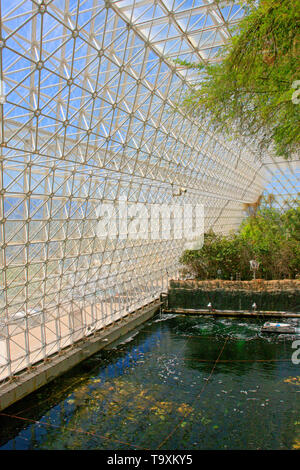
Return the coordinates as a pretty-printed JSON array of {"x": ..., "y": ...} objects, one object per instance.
[
  {"x": 293, "y": 380},
  {"x": 185, "y": 409},
  {"x": 162, "y": 408},
  {"x": 115, "y": 407},
  {"x": 296, "y": 444}
]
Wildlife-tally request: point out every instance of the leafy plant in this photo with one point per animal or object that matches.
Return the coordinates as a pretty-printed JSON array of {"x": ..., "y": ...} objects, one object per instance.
[
  {"x": 249, "y": 92},
  {"x": 268, "y": 234}
]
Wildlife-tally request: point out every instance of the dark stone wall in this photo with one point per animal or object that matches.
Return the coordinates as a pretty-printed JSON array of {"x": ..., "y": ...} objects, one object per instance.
[{"x": 224, "y": 299}]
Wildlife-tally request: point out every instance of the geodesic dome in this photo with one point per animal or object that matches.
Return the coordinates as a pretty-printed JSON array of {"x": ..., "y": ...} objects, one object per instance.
[{"x": 88, "y": 115}]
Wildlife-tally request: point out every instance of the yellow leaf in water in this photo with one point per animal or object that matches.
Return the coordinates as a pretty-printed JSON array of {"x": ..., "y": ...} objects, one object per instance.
[
  {"x": 293, "y": 380},
  {"x": 297, "y": 444},
  {"x": 184, "y": 408}
]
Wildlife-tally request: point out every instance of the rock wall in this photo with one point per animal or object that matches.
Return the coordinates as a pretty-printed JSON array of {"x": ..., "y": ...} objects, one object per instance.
[{"x": 281, "y": 295}]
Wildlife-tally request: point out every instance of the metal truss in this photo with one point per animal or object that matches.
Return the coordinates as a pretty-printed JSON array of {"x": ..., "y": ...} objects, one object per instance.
[{"x": 88, "y": 116}]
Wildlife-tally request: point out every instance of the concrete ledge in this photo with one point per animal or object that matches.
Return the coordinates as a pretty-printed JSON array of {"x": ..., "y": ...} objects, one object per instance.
[
  {"x": 43, "y": 373},
  {"x": 232, "y": 313}
]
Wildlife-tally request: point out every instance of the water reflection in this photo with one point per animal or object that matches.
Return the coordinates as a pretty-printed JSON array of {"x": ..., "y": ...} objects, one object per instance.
[{"x": 165, "y": 381}]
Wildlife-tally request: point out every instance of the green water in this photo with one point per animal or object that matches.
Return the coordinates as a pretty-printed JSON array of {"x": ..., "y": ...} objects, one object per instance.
[{"x": 163, "y": 388}]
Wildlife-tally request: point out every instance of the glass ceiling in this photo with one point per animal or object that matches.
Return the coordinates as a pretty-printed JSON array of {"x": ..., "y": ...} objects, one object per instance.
[{"x": 87, "y": 116}]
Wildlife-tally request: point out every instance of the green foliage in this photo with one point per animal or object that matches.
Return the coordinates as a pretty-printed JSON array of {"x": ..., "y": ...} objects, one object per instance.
[
  {"x": 249, "y": 92},
  {"x": 270, "y": 236}
]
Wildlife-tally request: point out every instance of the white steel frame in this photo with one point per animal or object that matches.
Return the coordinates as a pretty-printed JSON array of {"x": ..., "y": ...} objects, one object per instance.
[{"x": 89, "y": 116}]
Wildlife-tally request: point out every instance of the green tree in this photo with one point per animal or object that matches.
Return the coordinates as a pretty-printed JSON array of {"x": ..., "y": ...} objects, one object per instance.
[{"x": 249, "y": 93}]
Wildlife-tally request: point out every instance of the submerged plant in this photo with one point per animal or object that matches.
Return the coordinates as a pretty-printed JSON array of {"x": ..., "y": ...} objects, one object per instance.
[{"x": 293, "y": 381}]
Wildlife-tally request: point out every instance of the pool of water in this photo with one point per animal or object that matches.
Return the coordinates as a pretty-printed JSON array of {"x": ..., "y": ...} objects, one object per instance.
[{"x": 178, "y": 383}]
